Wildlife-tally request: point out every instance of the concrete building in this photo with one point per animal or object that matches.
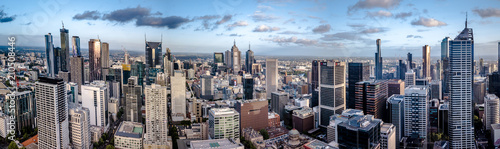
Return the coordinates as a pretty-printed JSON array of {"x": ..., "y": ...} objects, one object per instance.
[
  {"x": 129, "y": 135},
  {"x": 254, "y": 137},
  {"x": 156, "y": 116},
  {"x": 479, "y": 86},
  {"x": 332, "y": 87},
  {"x": 495, "y": 134},
  {"x": 303, "y": 120},
  {"x": 278, "y": 102},
  {"x": 410, "y": 78},
  {"x": 273, "y": 119},
  {"x": 359, "y": 131},
  {"x": 491, "y": 110},
  {"x": 224, "y": 123},
  {"x": 253, "y": 113},
  {"x": 178, "y": 95},
  {"x": 396, "y": 108},
  {"x": 96, "y": 98},
  {"x": 52, "y": 126},
  {"x": 79, "y": 128},
  {"x": 133, "y": 99},
  {"x": 388, "y": 136},
  {"x": 371, "y": 97},
  {"x": 207, "y": 87},
  {"x": 416, "y": 111},
  {"x": 24, "y": 110},
  {"x": 4, "y": 126},
  {"x": 271, "y": 76},
  {"x": 216, "y": 144},
  {"x": 395, "y": 86}
]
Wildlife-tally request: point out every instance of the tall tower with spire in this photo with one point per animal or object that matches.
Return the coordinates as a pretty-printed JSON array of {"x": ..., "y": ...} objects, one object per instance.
[
  {"x": 461, "y": 76},
  {"x": 64, "y": 57},
  {"x": 235, "y": 58},
  {"x": 378, "y": 62}
]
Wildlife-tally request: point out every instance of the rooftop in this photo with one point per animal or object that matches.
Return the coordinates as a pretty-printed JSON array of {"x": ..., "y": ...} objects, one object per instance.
[
  {"x": 224, "y": 111},
  {"x": 495, "y": 126},
  {"x": 216, "y": 143},
  {"x": 130, "y": 129}
]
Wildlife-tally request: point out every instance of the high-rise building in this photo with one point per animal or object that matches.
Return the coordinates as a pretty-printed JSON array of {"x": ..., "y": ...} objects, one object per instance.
[
  {"x": 178, "y": 95},
  {"x": 396, "y": 108},
  {"x": 278, "y": 102},
  {"x": 460, "y": 87},
  {"x": 445, "y": 59},
  {"x": 314, "y": 74},
  {"x": 64, "y": 57},
  {"x": 426, "y": 56},
  {"x": 249, "y": 60},
  {"x": 156, "y": 116},
  {"x": 133, "y": 100},
  {"x": 388, "y": 136},
  {"x": 95, "y": 66},
  {"x": 253, "y": 113},
  {"x": 51, "y": 57},
  {"x": 401, "y": 70},
  {"x": 331, "y": 90},
  {"x": 236, "y": 59},
  {"x": 479, "y": 90},
  {"x": 410, "y": 78},
  {"x": 23, "y": 112},
  {"x": 218, "y": 58},
  {"x": 357, "y": 72},
  {"x": 378, "y": 62},
  {"x": 395, "y": 86},
  {"x": 76, "y": 46},
  {"x": 491, "y": 108},
  {"x": 436, "y": 90},
  {"x": 153, "y": 54},
  {"x": 303, "y": 119},
  {"x": 248, "y": 87},
  {"x": 359, "y": 131},
  {"x": 76, "y": 71},
  {"x": 371, "y": 97},
  {"x": 79, "y": 128},
  {"x": 129, "y": 135},
  {"x": 105, "y": 59},
  {"x": 52, "y": 115},
  {"x": 95, "y": 98},
  {"x": 228, "y": 59},
  {"x": 410, "y": 60},
  {"x": 207, "y": 86},
  {"x": 224, "y": 123},
  {"x": 271, "y": 76},
  {"x": 416, "y": 111}
]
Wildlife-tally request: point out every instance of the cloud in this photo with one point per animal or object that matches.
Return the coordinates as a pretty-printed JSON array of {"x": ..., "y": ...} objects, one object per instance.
[
  {"x": 290, "y": 32},
  {"x": 373, "y": 30},
  {"x": 127, "y": 14},
  {"x": 368, "y": 4},
  {"x": 88, "y": 15},
  {"x": 322, "y": 28},
  {"x": 413, "y": 36},
  {"x": 422, "y": 30},
  {"x": 4, "y": 18},
  {"x": 236, "y": 24},
  {"x": 265, "y": 28},
  {"x": 292, "y": 20},
  {"x": 171, "y": 22},
  {"x": 488, "y": 12},
  {"x": 224, "y": 19},
  {"x": 428, "y": 22},
  {"x": 356, "y": 25},
  {"x": 286, "y": 41},
  {"x": 264, "y": 8},
  {"x": 403, "y": 15},
  {"x": 235, "y": 35},
  {"x": 347, "y": 36},
  {"x": 261, "y": 17},
  {"x": 379, "y": 14}
]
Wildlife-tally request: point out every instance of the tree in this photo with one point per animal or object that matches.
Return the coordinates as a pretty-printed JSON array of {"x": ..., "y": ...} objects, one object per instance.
[
  {"x": 110, "y": 147},
  {"x": 12, "y": 145},
  {"x": 264, "y": 134},
  {"x": 186, "y": 122}
]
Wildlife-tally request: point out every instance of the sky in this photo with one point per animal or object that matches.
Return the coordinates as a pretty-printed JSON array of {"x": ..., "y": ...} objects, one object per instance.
[{"x": 334, "y": 28}]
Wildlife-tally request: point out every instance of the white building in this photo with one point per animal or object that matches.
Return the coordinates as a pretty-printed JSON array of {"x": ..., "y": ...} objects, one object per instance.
[
  {"x": 491, "y": 110},
  {"x": 409, "y": 78},
  {"x": 178, "y": 96},
  {"x": 224, "y": 123},
  {"x": 4, "y": 119},
  {"x": 495, "y": 133},
  {"x": 156, "y": 117},
  {"x": 416, "y": 110},
  {"x": 271, "y": 76},
  {"x": 216, "y": 144},
  {"x": 79, "y": 128},
  {"x": 52, "y": 113},
  {"x": 95, "y": 98},
  {"x": 388, "y": 136},
  {"x": 129, "y": 135}
]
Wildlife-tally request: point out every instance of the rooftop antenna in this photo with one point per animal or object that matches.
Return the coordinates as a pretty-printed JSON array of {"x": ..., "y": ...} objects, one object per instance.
[
  {"x": 97, "y": 36},
  {"x": 161, "y": 38},
  {"x": 234, "y": 41},
  {"x": 466, "y": 19},
  {"x": 145, "y": 38},
  {"x": 62, "y": 24},
  {"x": 249, "y": 45}
]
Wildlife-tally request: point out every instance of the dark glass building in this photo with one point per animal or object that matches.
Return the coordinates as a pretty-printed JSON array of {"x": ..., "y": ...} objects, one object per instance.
[
  {"x": 357, "y": 72},
  {"x": 359, "y": 132}
]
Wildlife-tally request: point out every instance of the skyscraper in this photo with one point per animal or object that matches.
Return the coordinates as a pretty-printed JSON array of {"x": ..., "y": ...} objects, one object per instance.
[
  {"x": 401, "y": 70},
  {"x": 153, "y": 54},
  {"x": 235, "y": 58},
  {"x": 23, "y": 113},
  {"x": 445, "y": 59},
  {"x": 410, "y": 78},
  {"x": 357, "y": 72},
  {"x": 410, "y": 61},
  {"x": 79, "y": 128},
  {"x": 52, "y": 115},
  {"x": 426, "y": 56},
  {"x": 64, "y": 57},
  {"x": 331, "y": 90},
  {"x": 95, "y": 98},
  {"x": 378, "y": 62},
  {"x": 371, "y": 97},
  {"x": 396, "y": 108},
  {"x": 218, "y": 58},
  {"x": 224, "y": 123},
  {"x": 76, "y": 46},
  {"x": 253, "y": 113},
  {"x": 249, "y": 60},
  {"x": 178, "y": 95},
  {"x": 207, "y": 86},
  {"x": 50, "y": 55},
  {"x": 271, "y": 76},
  {"x": 133, "y": 99},
  {"x": 491, "y": 108},
  {"x": 156, "y": 116},
  {"x": 461, "y": 75},
  {"x": 76, "y": 71},
  {"x": 278, "y": 102},
  {"x": 248, "y": 87},
  {"x": 105, "y": 60},
  {"x": 416, "y": 111},
  {"x": 228, "y": 59},
  {"x": 95, "y": 66}
]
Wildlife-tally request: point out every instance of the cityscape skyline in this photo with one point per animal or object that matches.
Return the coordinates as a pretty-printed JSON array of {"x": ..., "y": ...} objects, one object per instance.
[{"x": 272, "y": 26}]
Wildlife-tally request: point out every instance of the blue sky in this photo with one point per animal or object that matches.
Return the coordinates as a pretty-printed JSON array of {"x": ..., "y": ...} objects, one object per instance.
[{"x": 272, "y": 27}]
